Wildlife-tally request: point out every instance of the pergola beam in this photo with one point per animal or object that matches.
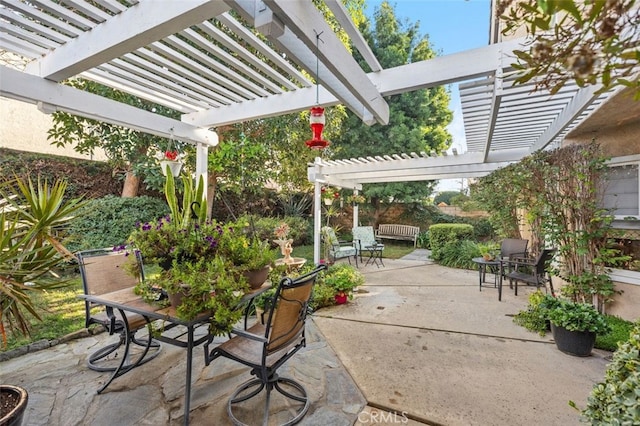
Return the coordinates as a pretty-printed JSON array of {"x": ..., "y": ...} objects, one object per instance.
[
  {"x": 135, "y": 27},
  {"x": 426, "y": 74},
  {"x": 53, "y": 97}
]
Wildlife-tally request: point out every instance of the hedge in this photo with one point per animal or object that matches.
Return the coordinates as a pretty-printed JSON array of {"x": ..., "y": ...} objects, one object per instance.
[{"x": 446, "y": 233}]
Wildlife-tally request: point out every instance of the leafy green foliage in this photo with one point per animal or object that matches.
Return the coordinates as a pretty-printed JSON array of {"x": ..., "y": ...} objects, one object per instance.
[
  {"x": 620, "y": 330},
  {"x": 559, "y": 192},
  {"x": 615, "y": 400},
  {"x": 588, "y": 42},
  {"x": 342, "y": 277},
  {"x": 536, "y": 317},
  {"x": 108, "y": 221},
  {"x": 208, "y": 285},
  {"x": 578, "y": 317},
  {"x": 264, "y": 227},
  {"x": 440, "y": 235},
  {"x": 29, "y": 249},
  {"x": 458, "y": 254}
]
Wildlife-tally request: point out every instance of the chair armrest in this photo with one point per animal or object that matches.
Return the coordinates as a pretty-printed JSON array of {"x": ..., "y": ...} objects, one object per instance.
[
  {"x": 521, "y": 256},
  {"x": 520, "y": 261},
  {"x": 248, "y": 335}
]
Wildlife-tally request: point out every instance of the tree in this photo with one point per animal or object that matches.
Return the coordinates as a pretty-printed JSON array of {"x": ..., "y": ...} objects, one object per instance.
[
  {"x": 587, "y": 41},
  {"x": 417, "y": 120},
  {"x": 127, "y": 150}
]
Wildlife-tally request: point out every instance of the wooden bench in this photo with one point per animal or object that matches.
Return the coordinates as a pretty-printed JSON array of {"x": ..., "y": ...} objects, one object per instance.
[{"x": 398, "y": 232}]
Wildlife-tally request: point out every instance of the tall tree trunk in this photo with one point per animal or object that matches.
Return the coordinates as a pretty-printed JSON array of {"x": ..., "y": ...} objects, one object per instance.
[{"x": 131, "y": 185}]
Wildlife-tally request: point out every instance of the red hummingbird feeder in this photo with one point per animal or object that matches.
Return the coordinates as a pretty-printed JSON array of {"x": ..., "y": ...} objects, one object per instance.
[{"x": 316, "y": 120}]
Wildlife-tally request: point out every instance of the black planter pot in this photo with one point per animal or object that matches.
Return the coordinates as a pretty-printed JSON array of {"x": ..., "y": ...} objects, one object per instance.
[
  {"x": 15, "y": 415},
  {"x": 576, "y": 343}
]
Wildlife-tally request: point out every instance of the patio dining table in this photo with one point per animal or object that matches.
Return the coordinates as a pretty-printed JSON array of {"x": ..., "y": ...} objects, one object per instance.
[{"x": 127, "y": 301}]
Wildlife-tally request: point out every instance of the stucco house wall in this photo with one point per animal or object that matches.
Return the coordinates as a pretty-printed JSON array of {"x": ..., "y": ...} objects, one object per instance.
[{"x": 23, "y": 127}]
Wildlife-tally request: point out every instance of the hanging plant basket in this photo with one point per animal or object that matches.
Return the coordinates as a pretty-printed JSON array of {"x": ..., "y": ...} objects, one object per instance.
[{"x": 174, "y": 167}]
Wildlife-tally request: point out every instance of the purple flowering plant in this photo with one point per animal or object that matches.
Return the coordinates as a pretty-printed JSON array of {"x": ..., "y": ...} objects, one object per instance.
[{"x": 163, "y": 241}]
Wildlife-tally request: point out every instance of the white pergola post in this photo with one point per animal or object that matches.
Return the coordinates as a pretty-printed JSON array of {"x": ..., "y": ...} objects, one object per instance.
[
  {"x": 355, "y": 210},
  {"x": 202, "y": 153},
  {"x": 317, "y": 220}
]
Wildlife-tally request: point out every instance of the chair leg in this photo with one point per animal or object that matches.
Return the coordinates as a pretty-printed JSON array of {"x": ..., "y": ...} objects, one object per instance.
[
  {"x": 246, "y": 392},
  {"x": 104, "y": 352}
]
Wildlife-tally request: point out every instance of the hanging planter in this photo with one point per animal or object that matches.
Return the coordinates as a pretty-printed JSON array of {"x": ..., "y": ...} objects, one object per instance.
[
  {"x": 169, "y": 166},
  {"x": 329, "y": 195},
  {"x": 171, "y": 159}
]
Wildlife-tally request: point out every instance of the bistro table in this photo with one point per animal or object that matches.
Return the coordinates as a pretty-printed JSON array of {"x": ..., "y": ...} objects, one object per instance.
[
  {"x": 494, "y": 267},
  {"x": 375, "y": 254},
  {"x": 127, "y": 301}
]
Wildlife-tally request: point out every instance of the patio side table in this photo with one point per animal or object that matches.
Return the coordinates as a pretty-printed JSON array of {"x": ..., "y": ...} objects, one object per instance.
[
  {"x": 375, "y": 254},
  {"x": 494, "y": 268}
]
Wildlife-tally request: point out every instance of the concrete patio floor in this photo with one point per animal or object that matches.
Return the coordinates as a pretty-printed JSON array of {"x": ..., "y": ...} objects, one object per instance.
[{"x": 419, "y": 342}]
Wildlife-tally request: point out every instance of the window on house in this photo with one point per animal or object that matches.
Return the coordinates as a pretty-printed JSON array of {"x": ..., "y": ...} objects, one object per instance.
[
  {"x": 622, "y": 191},
  {"x": 622, "y": 197}
]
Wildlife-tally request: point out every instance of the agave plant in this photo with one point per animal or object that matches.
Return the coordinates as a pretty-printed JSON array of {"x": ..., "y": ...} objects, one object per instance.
[{"x": 29, "y": 249}]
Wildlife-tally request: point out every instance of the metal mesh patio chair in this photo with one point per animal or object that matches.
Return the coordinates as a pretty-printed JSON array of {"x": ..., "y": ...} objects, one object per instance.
[
  {"x": 265, "y": 348},
  {"x": 103, "y": 271},
  {"x": 511, "y": 248},
  {"x": 338, "y": 249},
  {"x": 363, "y": 236},
  {"x": 531, "y": 271}
]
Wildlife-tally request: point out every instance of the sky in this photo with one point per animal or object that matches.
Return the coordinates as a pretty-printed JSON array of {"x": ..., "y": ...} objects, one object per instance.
[{"x": 452, "y": 26}]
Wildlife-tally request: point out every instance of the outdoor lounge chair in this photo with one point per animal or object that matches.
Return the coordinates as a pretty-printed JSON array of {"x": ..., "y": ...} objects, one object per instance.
[
  {"x": 265, "y": 348},
  {"x": 103, "y": 271},
  {"x": 338, "y": 249},
  {"x": 363, "y": 237},
  {"x": 531, "y": 271}
]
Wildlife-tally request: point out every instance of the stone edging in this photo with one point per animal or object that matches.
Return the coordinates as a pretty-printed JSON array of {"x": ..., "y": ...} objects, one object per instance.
[{"x": 45, "y": 344}]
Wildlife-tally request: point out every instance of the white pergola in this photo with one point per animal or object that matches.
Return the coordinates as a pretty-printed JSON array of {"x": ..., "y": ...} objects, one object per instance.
[{"x": 221, "y": 62}]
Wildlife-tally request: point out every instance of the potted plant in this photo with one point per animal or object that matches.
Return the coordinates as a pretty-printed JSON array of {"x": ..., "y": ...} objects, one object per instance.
[
  {"x": 203, "y": 285},
  {"x": 249, "y": 255},
  {"x": 575, "y": 325},
  {"x": 343, "y": 279},
  {"x": 13, "y": 404},
  {"x": 356, "y": 199}
]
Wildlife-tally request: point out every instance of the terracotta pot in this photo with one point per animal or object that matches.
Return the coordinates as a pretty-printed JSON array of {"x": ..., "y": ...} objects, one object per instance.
[
  {"x": 341, "y": 298},
  {"x": 15, "y": 414},
  {"x": 256, "y": 277},
  {"x": 176, "y": 298}
]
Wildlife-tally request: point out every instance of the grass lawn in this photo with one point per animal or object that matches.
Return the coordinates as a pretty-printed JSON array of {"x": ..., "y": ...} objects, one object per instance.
[{"x": 391, "y": 251}]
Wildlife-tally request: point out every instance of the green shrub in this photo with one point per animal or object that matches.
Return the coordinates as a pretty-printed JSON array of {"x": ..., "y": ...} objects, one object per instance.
[
  {"x": 458, "y": 254},
  {"x": 615, "y": 401},
  {"x": 620, "y": 332},
  {"x": 300, "y": 229},
  {"x": 442, "y": 234},
  {"x": 423, "y": 240},
  {"x": 536, "y": 317},
  {"x": 108, "y": 221}
]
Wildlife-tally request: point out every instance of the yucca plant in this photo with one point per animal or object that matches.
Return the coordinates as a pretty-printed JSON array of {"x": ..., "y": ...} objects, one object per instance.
[{"x": 29, "y": 249}]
